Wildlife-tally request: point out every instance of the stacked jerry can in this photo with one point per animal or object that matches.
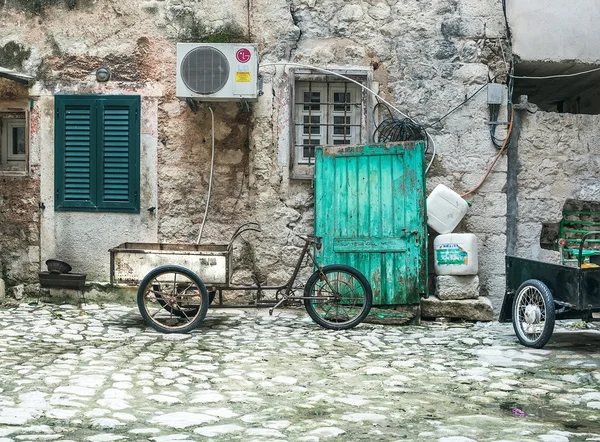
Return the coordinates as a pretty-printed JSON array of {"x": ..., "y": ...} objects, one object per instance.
[{"x": 455, "y": 254}]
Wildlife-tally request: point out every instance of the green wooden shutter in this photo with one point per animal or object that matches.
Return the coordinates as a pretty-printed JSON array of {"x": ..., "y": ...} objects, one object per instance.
[
  {"x": 77, "y": 154},
  {"x": 74, "y": 154},
  {"x": 97, "y": 153},
  {"x": 119, "y": 153}
]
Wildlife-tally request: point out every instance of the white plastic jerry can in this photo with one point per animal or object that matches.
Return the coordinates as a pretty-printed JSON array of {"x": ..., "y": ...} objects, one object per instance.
[
  {"x": 445, "y": 209},
  {"x": 455, "y": 254}
]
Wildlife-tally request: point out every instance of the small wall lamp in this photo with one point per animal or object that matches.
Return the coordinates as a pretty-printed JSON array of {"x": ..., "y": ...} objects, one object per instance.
[{"x": 103, "y": 75}]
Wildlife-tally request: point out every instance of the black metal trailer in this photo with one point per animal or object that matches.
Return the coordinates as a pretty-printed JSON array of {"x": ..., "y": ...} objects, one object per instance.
[{"x": 538, "y": 293}]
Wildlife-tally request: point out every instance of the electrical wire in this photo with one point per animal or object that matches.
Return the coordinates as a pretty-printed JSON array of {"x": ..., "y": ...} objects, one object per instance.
[
  {"x": 502, "y": 149},
  {"x": 451, "y": 111},
  {"x": 554, "y": 76},
  {"x": 494, "y": 112},
  {"x": 212, "y": 165},
  {"x": 398, "y": 129},
  {"x": 327, "y": 71}
]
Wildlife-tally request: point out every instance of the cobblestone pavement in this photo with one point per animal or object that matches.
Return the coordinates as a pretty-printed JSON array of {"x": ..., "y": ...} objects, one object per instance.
[{"x": 99, "y": 374}]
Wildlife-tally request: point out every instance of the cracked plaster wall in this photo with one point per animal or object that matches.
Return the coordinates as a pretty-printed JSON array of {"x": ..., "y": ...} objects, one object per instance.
[{"x": 427, "y": 56}]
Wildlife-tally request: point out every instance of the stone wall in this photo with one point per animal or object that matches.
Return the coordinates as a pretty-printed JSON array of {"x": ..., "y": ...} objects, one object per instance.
[
  {"x": 558, "y": 160},
  {"x": 19, "y": 213},
  {"x": 427, "y": 57},
  {"x": 20, "y": 239}
]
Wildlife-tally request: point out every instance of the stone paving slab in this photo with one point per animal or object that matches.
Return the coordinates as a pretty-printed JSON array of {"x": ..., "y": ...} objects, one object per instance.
[{"x": 100, "y": 374}]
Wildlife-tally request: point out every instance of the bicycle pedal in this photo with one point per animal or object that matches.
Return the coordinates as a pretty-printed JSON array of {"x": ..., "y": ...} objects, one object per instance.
[{"x": 270, "y": 312}]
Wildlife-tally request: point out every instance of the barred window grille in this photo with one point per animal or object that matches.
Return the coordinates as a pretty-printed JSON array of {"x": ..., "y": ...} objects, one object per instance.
[{"x": 326, "y": 113}]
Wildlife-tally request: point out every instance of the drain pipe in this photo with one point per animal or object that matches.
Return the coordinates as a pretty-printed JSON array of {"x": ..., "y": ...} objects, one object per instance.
[{"x": 212, "y": 165}]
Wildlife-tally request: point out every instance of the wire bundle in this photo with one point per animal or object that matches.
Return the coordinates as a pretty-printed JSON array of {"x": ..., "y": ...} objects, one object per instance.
[
  {"x": 494, "y": 112},
  {"x": 398, "y": 129}
]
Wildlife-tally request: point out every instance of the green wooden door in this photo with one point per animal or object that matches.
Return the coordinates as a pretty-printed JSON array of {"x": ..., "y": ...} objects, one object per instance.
[{"x": 370, "y": 211}]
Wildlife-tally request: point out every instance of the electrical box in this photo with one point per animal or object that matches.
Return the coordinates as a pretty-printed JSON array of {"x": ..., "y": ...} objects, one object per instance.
[
  {"x": 496, "y": 93},
  {"x": 217, "y": 71}
]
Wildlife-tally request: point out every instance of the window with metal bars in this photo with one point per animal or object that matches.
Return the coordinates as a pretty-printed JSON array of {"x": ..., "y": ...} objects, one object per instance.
[
  {"x": 325, "y": 113},
  {"x": 97, "y": 153},
  {"x": 13, "y": 142}
]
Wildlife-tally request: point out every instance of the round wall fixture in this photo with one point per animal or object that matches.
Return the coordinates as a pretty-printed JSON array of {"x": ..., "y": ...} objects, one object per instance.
[{"x": 103, "y": 75}]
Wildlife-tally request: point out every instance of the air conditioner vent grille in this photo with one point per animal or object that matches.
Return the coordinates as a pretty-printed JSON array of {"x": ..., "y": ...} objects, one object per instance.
[{"x": 205, "y": 70}]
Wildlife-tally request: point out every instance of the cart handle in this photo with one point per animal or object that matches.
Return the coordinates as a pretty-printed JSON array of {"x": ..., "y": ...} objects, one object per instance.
[
  {"x": 250, "y": 225},
  {"x": 580, "y": 255}
]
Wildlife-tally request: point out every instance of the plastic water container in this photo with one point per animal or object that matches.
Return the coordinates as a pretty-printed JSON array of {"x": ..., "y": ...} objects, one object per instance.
[
  {"x": 455, "y": 254},
  {"x": 445, "y": 209}
]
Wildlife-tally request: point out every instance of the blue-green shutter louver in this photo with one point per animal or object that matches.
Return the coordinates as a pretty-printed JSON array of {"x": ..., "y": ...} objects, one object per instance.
[
  {"x": 97, "y": 153},
  {"x": 77, "y": 154},
  {"x": 116, "y": 141}
]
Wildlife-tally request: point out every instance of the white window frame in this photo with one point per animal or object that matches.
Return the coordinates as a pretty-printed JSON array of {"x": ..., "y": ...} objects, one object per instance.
[
  {"x": 301, "y": 166},
  {"x": 11, "y": 163}
]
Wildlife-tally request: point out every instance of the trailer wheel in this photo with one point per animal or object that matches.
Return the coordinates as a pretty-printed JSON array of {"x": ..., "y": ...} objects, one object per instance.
[
  {"x": 533, "y": 313},
  {"x": 172, "y": 299}
]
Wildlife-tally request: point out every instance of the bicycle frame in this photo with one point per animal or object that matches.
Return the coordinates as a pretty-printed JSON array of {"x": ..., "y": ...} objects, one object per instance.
[
  {"x": 285, "y": 291},
  {"x": 336, "y": 296}
]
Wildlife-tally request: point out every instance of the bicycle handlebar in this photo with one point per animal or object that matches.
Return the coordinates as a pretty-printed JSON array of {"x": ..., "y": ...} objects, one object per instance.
[{"x": 311, "y": 239}]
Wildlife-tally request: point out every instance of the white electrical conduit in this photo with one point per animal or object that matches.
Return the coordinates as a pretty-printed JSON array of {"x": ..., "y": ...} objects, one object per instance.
[
  {"x": 327, "y": 71},
  {"x": 212, "y": 164}
]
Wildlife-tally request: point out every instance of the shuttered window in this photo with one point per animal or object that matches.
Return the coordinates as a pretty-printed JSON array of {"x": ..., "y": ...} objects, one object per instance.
[{"x": 97, "y": 151}]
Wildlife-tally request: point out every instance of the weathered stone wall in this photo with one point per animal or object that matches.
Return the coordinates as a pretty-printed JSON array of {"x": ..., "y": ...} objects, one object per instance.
[
  {"x": 558, "y": 160},
  {"x": 427, "y": 56},
  {"x": 20, "y": 238},
  {"x": 19, "y": 214}
]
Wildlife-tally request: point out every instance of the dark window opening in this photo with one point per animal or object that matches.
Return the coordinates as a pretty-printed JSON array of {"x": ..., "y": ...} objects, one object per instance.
[{"x": 564, "y": 92}]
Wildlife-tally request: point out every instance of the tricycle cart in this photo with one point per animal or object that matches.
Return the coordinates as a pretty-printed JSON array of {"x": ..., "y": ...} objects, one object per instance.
[
  {"x": 538, "y": 293},
  {"x": 178, "y": 281}
]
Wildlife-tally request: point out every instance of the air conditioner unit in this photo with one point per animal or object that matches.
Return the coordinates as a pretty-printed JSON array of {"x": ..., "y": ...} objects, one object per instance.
[{"x": 217, "y": 71}]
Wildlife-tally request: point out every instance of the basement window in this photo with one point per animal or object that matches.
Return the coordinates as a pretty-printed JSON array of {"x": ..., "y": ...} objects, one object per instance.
[
  {"x": 13, "y": 143},
  {"x": 560, "y": 91},
  {"x": 327, "y": 110}
]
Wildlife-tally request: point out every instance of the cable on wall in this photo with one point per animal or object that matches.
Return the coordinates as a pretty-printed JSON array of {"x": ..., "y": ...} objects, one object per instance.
[
  {"x": 379, "y": 98},
  {"x": 554, "y": 76},
  {"x": 210, "y": 179},
  {"x": 502, "y": 149},
  {"x": 398, "y": 129}
]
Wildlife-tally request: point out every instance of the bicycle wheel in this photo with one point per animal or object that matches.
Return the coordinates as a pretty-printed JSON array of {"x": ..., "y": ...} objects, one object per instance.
[
  {"x": 172, "y": 299},
  {"x": 533, "y": 314},
  {"x": 338, "y": 297}
]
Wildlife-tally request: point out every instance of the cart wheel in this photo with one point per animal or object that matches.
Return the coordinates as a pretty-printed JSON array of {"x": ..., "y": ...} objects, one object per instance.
[
  {"x": 340, "y": 297},
  {"x": 533, "y": 314},
  {"x": 172, "y": 299}
]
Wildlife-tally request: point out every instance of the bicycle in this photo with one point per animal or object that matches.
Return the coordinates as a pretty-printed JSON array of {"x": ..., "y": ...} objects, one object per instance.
[{"x": 173, "y": 299}]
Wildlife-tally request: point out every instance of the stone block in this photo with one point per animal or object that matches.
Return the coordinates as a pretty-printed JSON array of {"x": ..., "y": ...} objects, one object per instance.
[
  {"x": 449, "y": 287},
  {"x": 479, "y": 309},
  {"x": 490, "y": 204},
  {"x": 17, "y": 292},
  {"x": 479, "y": 224}
]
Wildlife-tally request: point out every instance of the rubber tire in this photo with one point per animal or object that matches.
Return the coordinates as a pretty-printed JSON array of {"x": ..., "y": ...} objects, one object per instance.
[
  {"x": 368, "y": 301},
  {"x": 169, "y": 269},
  {"x": 548, "y": 300}
]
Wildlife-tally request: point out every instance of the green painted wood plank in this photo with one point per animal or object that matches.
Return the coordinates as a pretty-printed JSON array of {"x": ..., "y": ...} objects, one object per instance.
[{"x": 369, "y": 245}]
